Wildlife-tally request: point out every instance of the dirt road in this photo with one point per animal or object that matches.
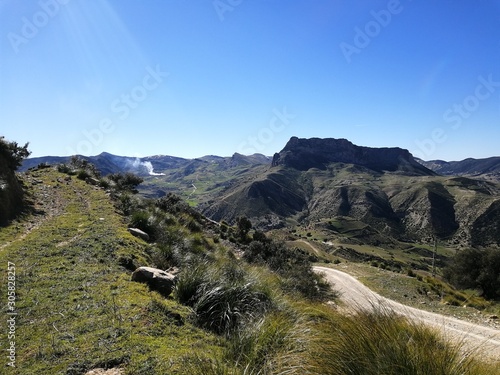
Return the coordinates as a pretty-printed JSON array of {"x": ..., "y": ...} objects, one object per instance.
[{"x": 485, "y": 341}]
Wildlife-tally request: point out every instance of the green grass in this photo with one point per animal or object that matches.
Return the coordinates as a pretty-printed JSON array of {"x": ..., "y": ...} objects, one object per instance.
[{"x": 78, "y": 308}]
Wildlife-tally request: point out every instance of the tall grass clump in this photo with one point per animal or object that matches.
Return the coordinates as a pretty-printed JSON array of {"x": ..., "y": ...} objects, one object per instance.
[
  {"x": 223, "y": 295},
  {"x": 380, "y": 342}
]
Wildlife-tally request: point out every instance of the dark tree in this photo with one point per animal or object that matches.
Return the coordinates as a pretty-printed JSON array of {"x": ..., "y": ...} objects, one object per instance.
[
  {"x": 13, "y": 153},
  {"x": 244, "y": 225},
  {"x": 476, "y": 269}
]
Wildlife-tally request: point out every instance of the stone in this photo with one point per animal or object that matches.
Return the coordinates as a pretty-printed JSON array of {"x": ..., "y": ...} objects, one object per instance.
[
  {"x": 157, "y": 279},
  {"x": 139, "y": 233},
  {"x": 92, "y": 181}
]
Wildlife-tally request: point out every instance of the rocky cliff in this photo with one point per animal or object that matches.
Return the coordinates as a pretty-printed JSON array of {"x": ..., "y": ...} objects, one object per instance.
[{"x": 303, "y": 154}]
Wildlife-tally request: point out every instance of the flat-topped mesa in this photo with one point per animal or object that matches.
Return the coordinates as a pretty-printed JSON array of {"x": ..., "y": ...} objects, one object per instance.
[{"x": 303, "y": 154}]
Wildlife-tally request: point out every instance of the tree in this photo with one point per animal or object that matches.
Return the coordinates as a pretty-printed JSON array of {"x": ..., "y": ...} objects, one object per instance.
[
  {"x": 244, "y": 225},
  {"x": 126, "y": 181},
  {"x": 478, "y": 269},
  {"x": 13, "y": 153}
]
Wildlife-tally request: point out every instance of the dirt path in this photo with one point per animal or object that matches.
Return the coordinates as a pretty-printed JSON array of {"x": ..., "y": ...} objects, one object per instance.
[{"x": 485, "y": 341}]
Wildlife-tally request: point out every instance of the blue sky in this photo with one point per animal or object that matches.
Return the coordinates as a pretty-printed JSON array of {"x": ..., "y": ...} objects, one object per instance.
[{"x": 197, "y": 77}]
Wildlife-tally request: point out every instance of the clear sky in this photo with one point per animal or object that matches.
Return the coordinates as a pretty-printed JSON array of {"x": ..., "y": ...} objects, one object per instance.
[{"x": 195, "y": 77}]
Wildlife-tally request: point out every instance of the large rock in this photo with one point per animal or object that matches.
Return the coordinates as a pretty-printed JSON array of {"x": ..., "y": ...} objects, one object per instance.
[
  {"x": 157, "y": 279},
  {"x": 139, "y": 233}
]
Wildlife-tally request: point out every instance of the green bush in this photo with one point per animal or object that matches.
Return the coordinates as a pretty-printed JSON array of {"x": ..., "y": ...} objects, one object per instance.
[
  {"x": 222, "y": 296},
  {"x": 380, "y": 342},
  {"x": 12, "y": 153},
  {"x": 221, "y": 307},
  {"x": 82, "y": 174},
  {"x": 143, "y": 220},
  {"x": 293, "y": 265},
  {"x": 476, "y": 269}
]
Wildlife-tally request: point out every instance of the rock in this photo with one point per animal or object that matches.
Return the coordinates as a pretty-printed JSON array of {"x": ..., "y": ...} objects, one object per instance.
[
  {"x": 101, "y": 371},
  {"x": 139, "y": 233},
  {"x": 157, "y": 279},
  {"x": 92, "y": 181}
]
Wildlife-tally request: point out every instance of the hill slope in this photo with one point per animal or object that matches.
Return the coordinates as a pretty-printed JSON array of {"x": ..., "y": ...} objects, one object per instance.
[
  {"x": 77, "y": 308},
  {"x": 488, "y": 168},
  {"x": 386, "y": 190}
]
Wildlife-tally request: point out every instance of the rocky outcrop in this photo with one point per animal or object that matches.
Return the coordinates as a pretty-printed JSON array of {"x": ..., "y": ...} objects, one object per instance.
[
  {"x": 304, "y": 154},
  {"x": 156, "y": 279}
]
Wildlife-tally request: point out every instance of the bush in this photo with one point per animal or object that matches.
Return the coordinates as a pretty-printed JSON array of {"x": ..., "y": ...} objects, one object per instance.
[
  {"x": 125, "y": 181},
  {"x": 380, "y": 342},
  {"x": 293, "y": 265},
  {"x": 222, "y": 296},
  {"x": 143, "y": 221},
  {"x": 13, "y": 153},
  {"x": 221, "y": 307},
  {"x": 82, "y": 174},
  {"x": 476, "y": 269}
]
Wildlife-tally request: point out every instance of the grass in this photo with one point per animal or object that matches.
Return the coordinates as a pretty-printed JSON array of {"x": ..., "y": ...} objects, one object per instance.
[
  {"x": 383, "y": 343},
  {"x": 78, "y": 308}
]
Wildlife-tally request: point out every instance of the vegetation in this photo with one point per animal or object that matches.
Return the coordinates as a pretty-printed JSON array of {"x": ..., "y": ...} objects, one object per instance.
[
  {"x": 476, "y": 269},
  {"x": 12, "y": 194},
  {"x": 13, "y": 153}
]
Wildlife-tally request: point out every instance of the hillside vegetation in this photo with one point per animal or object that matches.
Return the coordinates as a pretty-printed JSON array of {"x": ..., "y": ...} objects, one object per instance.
[
  {"x": 242, "y": 304},
  {"x": 11, "y": 191}
]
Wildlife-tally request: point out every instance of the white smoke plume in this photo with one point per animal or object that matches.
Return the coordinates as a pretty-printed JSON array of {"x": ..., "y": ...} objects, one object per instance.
[
  {"x": 138, "y": 165},
  {"x": 149, "y": 167}
]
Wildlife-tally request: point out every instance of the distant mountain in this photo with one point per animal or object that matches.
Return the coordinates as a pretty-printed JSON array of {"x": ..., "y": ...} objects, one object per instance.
[
  {"x": 488, "y": 168},
  {"x": 384, "y": 193},
  {"x": 377, "y": 194},
  {"x": 303, "y": 154}
]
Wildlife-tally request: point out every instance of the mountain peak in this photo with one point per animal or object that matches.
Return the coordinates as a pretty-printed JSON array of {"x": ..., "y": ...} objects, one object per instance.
[{"x": 306, "y": 153}]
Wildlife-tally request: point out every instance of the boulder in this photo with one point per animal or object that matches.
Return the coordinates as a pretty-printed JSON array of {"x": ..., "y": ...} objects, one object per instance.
[
  {"x": 92, "y": 181},
  {"x": 157, "y": 279},
  {"x": 139, "y": 233}
]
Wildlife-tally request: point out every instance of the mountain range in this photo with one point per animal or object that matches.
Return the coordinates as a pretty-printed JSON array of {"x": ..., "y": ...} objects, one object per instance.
[{"x": 379, "y": 195}]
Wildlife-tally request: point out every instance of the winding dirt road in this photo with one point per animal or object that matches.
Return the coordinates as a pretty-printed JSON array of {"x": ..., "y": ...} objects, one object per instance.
[{"x": 484, "y": 341}]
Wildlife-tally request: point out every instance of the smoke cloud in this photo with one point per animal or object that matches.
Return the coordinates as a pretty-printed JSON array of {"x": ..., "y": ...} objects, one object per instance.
[{"x": 140, "y": 166}]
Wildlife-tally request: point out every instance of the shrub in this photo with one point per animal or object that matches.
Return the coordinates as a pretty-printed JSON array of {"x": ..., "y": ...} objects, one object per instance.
[
  {"x": 13, "y": 153},
  {"x": 380, "y": 342},
  {"x": 82, "y": 174},
  {"x": 143, "y": 221},
  {"x": 222, "y": 296},
  {"x": 125, "y": 181},
  {"x": 64, "y": 168},
  {"x": 476, "y": 268},
  {"x": 222, "y": 307},
  {"x": 293, "y": 265}
]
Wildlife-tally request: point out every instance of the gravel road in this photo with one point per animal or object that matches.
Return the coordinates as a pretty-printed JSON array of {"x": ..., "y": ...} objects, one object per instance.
[{"x": 483, "y": 340}]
